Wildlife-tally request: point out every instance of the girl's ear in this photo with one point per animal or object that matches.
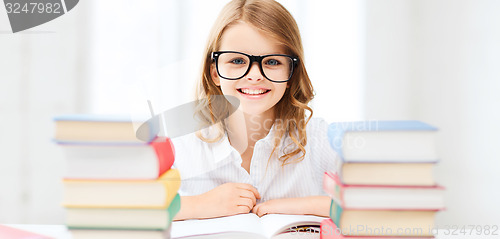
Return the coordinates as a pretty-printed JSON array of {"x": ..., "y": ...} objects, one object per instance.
[{"x": 214, "y": 75}]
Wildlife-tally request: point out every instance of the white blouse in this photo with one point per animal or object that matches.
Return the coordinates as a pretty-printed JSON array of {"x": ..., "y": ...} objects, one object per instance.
[{"x": 204, "y": 166}]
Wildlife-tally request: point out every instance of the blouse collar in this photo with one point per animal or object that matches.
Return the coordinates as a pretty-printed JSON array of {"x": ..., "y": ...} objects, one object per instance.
[{"x": 222, "y": 148}]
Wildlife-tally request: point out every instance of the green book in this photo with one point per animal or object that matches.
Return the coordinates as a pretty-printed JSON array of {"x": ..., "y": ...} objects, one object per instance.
[{"x": 122, "y": 218}]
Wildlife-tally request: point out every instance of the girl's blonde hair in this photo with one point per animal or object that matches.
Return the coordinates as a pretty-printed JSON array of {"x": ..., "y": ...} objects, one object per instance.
[{"x": 275, "y": 21}]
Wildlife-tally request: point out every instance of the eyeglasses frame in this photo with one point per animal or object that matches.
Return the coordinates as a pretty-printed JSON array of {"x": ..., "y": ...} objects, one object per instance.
[{"x": 215, "y": 56}]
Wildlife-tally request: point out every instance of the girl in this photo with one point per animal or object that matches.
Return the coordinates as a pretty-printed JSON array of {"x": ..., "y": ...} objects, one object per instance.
[{"x": 268, "y": 156}]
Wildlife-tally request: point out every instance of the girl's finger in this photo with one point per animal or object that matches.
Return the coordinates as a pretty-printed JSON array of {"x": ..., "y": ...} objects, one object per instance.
[
  {"x": 247, "y": 194},
  {"x": 249, "y": 188},
  {"x": 245, "y": 202},
  {"x": 242, "y": 209}
]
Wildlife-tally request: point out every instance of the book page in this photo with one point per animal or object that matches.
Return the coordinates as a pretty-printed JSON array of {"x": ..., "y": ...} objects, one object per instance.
[
  {"x": 273, "y": 224},
  {"x": 248, "y": 223}
]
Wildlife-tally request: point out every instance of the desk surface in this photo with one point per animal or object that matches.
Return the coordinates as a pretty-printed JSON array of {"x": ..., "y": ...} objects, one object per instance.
[{"x": 61, "y": 232}]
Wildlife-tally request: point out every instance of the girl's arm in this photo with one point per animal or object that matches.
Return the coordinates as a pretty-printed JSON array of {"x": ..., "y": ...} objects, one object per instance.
[
  {"x": 313, "y": 205},
  {"x": 188, "y": 208},
  {"x": 224, "y": 200}
]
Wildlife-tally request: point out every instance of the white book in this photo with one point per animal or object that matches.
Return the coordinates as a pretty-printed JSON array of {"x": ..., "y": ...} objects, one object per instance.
[
  {"x": 403, "y": 141},
  {"x": 383, "y": 197},
  {"x": 104, "y": 161},
  {"x": 246, "y": 226}
]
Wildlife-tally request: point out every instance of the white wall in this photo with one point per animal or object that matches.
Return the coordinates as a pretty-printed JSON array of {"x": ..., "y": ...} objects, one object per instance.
[
  {"x": 333, "y": 35},
  {"x": 41, "y": 74},
  {"x": 387, "y": 60},
  {"x": 438, "y": 61}
]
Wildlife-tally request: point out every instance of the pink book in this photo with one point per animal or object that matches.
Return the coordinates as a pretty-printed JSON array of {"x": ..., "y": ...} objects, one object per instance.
[
  {"x": 330, "y": 231},
  {"x": 14, "y": 233}
]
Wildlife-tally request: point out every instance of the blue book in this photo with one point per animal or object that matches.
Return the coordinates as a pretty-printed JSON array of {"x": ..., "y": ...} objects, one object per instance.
[{"x": 403, "y": 141}]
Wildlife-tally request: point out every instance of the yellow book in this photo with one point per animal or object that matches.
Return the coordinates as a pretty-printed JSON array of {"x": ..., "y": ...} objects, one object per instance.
[
  {"x": 157, "y": 193},
  {"x": 401, "y": 174}
]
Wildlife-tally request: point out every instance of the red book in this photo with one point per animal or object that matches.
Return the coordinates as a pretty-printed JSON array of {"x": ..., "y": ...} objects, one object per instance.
[
  {"x": 383, "y": 197},
  {"x": 14, "y": 233},
  {"x": 119, "y": 161},
  {"x": 330, "y": 231}
]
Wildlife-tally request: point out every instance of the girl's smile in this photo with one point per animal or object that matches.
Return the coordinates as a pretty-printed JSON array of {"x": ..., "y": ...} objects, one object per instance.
[{"x": 253, "y": 92}]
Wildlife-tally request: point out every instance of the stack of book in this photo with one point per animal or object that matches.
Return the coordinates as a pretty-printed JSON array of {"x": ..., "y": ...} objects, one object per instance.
[
  {"x": 116, "y": 185},
  {"x": 384, "y": 186}
]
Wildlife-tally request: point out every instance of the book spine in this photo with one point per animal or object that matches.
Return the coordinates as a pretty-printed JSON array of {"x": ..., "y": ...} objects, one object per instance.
[
  {"x": 333, "y": 187},
  {"x": 165, "y": 153},
  {"x": 335, "y": 212},
  {"x": 172, "y": 182},
  {"x": 329, "y": 230},
  {"x": 174, "y": 207}
]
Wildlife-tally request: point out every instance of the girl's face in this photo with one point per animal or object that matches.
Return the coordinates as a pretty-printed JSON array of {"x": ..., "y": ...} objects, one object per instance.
[{"x": 257, "y": 95}]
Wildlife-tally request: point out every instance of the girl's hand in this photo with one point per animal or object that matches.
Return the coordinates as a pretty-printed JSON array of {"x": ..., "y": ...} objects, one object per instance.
[
  {"x": 315, "y": 205},
  {"x": 227, "y": 199},
  {"x": 272, "y": 206}
]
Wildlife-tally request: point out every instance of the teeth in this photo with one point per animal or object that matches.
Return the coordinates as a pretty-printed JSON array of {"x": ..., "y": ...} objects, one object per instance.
[{"x": 253, "y": 91}]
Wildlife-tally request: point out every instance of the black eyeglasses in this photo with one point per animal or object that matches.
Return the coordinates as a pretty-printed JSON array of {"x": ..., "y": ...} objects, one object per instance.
[{"x": 233, "y": 65}]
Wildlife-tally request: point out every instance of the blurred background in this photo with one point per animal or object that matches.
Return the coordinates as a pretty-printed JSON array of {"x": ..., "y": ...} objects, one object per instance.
[{"x": 432, "y": 60}]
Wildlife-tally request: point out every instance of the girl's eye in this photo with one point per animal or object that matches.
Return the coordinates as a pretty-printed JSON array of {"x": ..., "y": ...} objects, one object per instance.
[
  {"x": 273, "y": 62},
  {"x": 238, "y": 61}
]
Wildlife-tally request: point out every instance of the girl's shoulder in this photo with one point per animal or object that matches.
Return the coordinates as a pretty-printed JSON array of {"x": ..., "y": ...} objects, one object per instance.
[
  {"x": 190, "y": 143},
  {"x": 193, "y": 139},
  {"x": 194, "y": 157},
  {"x": 193, "y": 147}
]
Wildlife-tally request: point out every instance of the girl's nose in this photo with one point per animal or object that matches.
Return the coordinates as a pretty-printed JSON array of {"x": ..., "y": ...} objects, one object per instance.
[{"x": 254, "y": 72}]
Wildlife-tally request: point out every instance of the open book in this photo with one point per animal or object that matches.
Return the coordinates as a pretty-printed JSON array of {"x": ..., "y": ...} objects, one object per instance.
[{"x": 246, "y": 226}]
